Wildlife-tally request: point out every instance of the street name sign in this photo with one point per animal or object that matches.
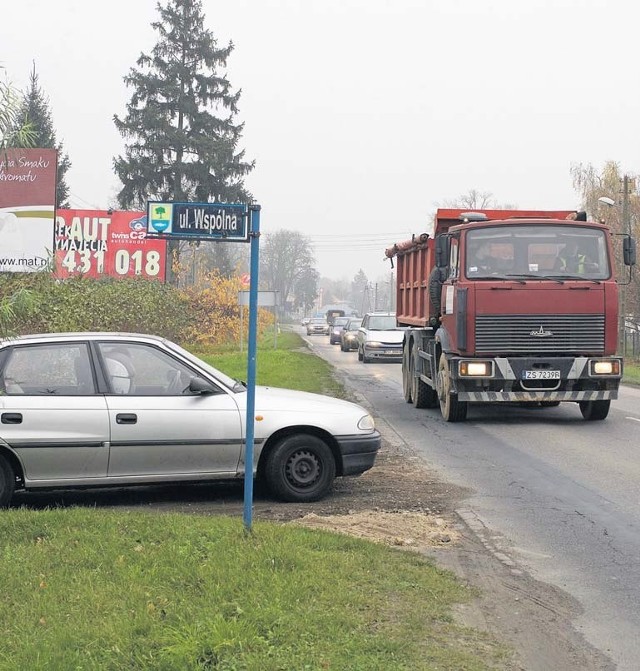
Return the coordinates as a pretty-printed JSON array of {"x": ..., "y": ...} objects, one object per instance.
[{"x": 198, "y": 221}]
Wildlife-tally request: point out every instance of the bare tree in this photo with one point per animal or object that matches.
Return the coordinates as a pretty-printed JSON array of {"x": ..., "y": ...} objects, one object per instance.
[{"x": 285, "y": 258}]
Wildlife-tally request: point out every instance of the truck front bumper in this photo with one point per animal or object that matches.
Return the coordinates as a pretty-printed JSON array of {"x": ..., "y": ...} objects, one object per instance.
[{"x": 571, "y": 379}]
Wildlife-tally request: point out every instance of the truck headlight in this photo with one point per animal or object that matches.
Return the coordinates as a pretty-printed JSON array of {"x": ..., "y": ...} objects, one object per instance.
[
  {"x": 475, "y": 368},
  {"x": 605, "y": 367}
]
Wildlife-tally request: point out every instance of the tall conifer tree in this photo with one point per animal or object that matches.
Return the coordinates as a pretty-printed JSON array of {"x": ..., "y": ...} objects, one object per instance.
[
  {"x": 182, "y": 139},
  {"x": 35, "y": 108}
]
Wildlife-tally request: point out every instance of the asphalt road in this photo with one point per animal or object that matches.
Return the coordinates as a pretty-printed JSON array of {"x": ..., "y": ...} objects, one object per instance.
[{"x": 559, "y": 495}]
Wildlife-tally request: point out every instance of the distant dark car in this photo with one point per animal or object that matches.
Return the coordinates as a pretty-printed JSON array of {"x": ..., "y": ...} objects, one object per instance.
[
  {"x": 336, "y": 329},
  {"x": 349, "y": 335}
]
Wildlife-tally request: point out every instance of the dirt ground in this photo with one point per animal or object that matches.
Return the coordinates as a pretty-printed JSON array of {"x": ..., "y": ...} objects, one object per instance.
[{"x": 401, "y": 503}]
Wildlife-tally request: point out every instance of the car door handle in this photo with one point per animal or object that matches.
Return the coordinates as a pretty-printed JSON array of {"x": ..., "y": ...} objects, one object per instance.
[
  {"x": 11, "y": 418},
  {"x": 126, "y": 418}
]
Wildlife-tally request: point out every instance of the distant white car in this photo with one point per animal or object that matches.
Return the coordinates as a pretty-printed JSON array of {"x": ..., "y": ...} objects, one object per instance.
[
  {"x": 318, "y": 326},
  {"x": 101, "y": 409},
  {"x": 380, "y": 338}
]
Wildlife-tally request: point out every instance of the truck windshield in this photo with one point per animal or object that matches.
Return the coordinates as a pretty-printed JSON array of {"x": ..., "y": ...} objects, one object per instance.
[{"x": 537, "y": 252}]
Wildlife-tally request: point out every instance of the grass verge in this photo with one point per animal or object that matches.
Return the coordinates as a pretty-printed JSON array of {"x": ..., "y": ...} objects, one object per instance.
[
  {"x": 96, "y": 589},
  {"x": 631, "y": 373}
]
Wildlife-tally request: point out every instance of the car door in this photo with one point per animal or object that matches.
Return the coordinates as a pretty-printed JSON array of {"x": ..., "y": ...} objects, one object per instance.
[
  {"x": 50, "y": 413},
  {"x": 158, "y": 428}
]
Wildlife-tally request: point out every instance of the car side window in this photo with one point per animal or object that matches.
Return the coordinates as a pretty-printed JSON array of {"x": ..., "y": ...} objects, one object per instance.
[
  {"x": 136, "y": 369},
  {"x": 58, "y": 369}
]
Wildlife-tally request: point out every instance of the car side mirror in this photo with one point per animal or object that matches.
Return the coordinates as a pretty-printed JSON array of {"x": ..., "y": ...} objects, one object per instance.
[{"x": 198, "y": 385}]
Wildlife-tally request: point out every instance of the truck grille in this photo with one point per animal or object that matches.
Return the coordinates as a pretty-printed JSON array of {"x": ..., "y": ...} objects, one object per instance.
[{"x": 539, "y": 333}]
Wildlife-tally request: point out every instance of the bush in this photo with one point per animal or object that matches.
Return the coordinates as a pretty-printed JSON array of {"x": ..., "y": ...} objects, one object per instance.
[
  {"x": 85, "y": 304},
  {"x": 207, "y": 316}
]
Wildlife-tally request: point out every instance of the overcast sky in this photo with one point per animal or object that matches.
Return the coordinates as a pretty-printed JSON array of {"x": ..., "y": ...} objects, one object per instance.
[{"x": 362, "y": 115}]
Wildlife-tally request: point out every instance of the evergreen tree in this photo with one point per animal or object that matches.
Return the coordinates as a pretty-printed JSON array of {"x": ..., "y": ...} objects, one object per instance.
[
  {"x": 180, "y": 122},
  {"x": 35, "y": 108},
  {"x": 15, "y": 130}
]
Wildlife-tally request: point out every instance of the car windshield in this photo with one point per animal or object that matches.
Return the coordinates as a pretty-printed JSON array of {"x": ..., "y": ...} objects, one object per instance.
[
  {"x": 551, "y": 251},
  {"x": 354, "y": 324},
  {"x": 341, "y": 321},
  {"x": 317, "y": 321},
  {"x": 382, "y": 322}
]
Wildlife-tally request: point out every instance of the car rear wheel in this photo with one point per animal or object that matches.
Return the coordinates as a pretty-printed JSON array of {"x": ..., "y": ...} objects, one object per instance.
[
  {"x": 300, "y": 468},
  {"x": 7, "y": 482},
  {"x": 360, "y": 356}
]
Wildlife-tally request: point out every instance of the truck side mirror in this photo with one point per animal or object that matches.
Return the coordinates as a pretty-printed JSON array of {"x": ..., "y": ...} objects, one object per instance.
[
  {"x": 629, "y": 251},
  {"x": 442, "y": 251}
]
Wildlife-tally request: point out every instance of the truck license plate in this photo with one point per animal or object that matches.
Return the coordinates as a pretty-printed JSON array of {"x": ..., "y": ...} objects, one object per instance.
[{"x": 541, "y": 375}]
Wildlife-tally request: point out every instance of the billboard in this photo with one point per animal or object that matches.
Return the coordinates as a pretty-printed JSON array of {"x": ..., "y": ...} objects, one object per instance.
[
  {"x": 96, "y": 243},
  {"x": 27, "y": 206}
]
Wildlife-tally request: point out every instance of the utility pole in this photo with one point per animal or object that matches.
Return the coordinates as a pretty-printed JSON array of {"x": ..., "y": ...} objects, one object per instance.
[{"x": 627, "y": 185}]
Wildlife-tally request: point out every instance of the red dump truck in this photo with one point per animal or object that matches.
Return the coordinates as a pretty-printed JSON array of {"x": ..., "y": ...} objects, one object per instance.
[{"x": 509, "y": 306}]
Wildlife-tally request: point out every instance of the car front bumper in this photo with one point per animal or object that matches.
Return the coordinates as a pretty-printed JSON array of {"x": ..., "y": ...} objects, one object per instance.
[
  {"x": 388, "y": 353},
  {"x": 358, "y": 452}
]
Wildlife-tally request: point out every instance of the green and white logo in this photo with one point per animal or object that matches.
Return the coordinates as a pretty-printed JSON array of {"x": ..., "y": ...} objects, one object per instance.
[{"x": 160, "y": 217}]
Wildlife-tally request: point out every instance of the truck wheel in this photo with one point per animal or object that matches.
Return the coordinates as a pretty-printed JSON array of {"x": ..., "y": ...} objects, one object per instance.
[
  {"x": 594, "y": 410},
  {"x": 422, "y": 394},
  {"x": 407, "y": 374},
  {"x": 300, "y": 468},
  {"x": 451, "y": 408},
  {"x": 7, "y": 482}
]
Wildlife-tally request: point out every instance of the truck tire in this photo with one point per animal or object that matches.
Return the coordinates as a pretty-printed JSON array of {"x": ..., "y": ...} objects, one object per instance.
[
  {"x": 7, "y": 482},
  {"x": 422, "y": 394},
  {"x": 407, "y": 374},
  {"x": 594, "y": 410},
  {"x": 451, "y": 408}
]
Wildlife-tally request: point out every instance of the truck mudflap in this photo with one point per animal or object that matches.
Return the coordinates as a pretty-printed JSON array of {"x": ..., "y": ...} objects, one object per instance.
[{"x": 536, "y": 396}]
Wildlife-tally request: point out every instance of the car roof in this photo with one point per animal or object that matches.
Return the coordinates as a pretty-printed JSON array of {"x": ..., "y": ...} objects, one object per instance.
[{"x": 79, "y": 335}]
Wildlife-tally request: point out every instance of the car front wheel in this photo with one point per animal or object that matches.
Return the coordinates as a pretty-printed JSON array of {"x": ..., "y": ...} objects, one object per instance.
[{"x": 300, "y": 468}]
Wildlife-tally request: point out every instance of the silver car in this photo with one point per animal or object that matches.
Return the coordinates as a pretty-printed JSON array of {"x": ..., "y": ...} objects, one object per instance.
[
  {"x": 100, "y": 409},
  {"x": 380, "y": 338}
]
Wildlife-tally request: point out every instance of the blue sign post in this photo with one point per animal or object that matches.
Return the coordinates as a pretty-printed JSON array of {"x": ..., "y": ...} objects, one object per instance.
[
  {"x": 254, "y": 211},
  {"x": 221, "y": 222}
]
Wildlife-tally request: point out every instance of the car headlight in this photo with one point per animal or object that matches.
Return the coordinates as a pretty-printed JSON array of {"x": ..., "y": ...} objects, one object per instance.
[
  {"x": 366, "y": 423},
  {"x": 373, "y": 343}
]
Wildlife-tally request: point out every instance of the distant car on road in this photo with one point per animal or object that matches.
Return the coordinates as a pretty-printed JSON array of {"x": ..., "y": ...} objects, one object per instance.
[
  {"x": 115, "y": 409},
  {"x": 318, "y": 326},
  {"x": 379, "y": 337},
  {"x": 336, "y": 329},
  {"x": 349, "y": 335}
]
